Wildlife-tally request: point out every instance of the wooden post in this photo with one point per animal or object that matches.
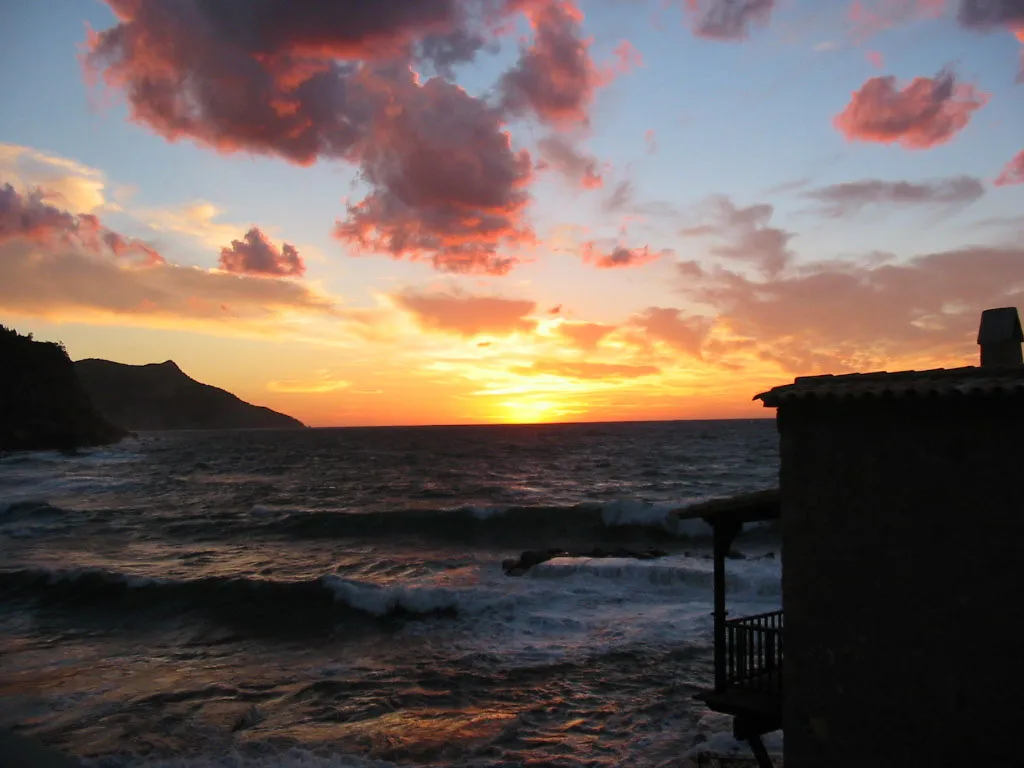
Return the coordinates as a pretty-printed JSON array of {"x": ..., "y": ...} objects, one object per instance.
[{"x": 724, "y": 534}]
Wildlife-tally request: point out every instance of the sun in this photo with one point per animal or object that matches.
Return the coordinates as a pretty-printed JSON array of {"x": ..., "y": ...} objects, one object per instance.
[{"x": 527, "y": 411}]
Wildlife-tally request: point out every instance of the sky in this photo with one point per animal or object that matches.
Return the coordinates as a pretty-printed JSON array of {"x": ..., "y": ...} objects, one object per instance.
[{"x": 478, "y": 211}]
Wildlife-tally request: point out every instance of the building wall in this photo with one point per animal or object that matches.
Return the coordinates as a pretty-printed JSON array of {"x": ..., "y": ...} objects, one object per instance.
[{"x": 903, "y": 581}]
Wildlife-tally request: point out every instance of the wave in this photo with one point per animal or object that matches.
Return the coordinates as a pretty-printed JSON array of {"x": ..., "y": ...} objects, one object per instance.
[
  {"x": 289, "y": 758},
  {"x": 631, "y": 519},
  {"x": 327, "y": 598}
]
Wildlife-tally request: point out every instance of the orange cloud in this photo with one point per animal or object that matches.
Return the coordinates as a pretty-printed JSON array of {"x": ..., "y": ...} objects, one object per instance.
[
  {"x": 585, "y": 335},
  {"x": 728, "y": 20},
  {"x": 842, "y": 316},
  {"x": 468, "y": 315},
  {"x": 923, "y": 114},
  {"x": 684, "y": 333},
  {"x": 585, "y": 370},
  {"x": 256, "y": 255},
  {"x": 1013, "y": 173}
]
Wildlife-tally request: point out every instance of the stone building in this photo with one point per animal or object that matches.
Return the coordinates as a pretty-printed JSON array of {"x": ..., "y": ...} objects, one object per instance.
[{"x": 902, "y": 516}]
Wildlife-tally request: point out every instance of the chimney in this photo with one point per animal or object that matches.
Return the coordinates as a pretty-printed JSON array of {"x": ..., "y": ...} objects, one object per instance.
[{"x": 1000, "y": 337}]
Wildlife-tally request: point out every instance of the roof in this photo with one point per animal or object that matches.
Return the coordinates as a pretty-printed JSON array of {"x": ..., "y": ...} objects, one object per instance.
[
  {"x": 999, "y": 326},
  {"x": 744, "y": 508},
  {"x": 941, "y": 382}
]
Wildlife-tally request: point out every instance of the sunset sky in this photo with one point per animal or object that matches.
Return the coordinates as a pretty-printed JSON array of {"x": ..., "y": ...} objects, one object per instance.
[{"x": 464, "y": 211}]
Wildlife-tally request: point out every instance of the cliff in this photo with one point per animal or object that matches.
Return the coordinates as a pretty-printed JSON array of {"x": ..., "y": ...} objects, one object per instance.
[
  {"x": 42, "y": 403},
  {"x": 160, "y": 396}
]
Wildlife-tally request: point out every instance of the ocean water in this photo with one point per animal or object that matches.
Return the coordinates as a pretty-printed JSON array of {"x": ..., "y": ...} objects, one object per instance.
[{"x": 336, "y": 597}]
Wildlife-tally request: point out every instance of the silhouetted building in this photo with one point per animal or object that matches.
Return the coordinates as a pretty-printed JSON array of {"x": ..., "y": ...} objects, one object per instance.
[{"x": 902, "y": 516}]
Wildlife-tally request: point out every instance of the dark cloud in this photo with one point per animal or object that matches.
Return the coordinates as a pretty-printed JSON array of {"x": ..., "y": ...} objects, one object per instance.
[
  {"x": 585, "y": 370},
  {"x": 923, "y": 114},
  {"x": 560, "y": 153},
  {"x": 747, "y": 234},
  {"x": 468, "y": 315},
  {"x": 555, "y": 77},
  {"x": 310, "y": 80},
  {"x": 988, "y": 14},
  {"x": 619, "y": 256},
  {"x": 851, "y": 197},
  {"x": 1013, "y": 173},
  {"x": 30, "y": 217},
  {"x": 728, "y": 19},
  {"x": 256, "y": 255}
]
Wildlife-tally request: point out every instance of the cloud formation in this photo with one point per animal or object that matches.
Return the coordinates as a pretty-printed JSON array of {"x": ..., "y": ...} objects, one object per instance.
[
  {"x": 923, "y": 114},
  {"x": 586, "y": 370},
  {"x": 559, "y": 152},
  {"x": 869, "y": 17},
  {"x": 1013, "y": 173},
  {"x": 30, "y": 217},
  {"x": 619, "y": 256},
  {"x": 728, "y": 20},
  {"x": 254, "y": 254},
  {"x": 57, "y": 180},
  {"x": 747, "y": 234},
  {"x": 684, "y": 333},
  {"x": 852, "y": 197},
  {"x": 312, "y": 80},
  {"x": 833, "y": 317},
  {"x": 555, "y": 77},
  {"x": 468, "y": 315},
  {"x": 585, "y": 335},
  {"x": 988, "y": 14}
]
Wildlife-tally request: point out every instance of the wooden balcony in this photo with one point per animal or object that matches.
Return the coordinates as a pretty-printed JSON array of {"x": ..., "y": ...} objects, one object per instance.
[{"x": 748, "y": 673}]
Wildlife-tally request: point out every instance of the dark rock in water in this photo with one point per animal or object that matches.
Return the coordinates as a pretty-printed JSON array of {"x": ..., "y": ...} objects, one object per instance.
[
  {"x": 43, "y": 405},
  {"x": 530, "y": 558},
  {"x": 161, "y": 396}
]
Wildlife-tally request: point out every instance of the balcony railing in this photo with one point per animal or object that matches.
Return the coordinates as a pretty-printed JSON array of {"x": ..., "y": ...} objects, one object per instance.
[{"x": 753, "y": 653}]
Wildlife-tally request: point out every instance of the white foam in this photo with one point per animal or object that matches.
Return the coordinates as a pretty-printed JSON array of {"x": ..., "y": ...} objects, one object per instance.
[
  {"x": 623, "y": 512},
  {"x": 382, "y": 599}
]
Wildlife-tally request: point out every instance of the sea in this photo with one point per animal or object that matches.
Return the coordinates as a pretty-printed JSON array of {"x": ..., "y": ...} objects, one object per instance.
[{"x": 329, "y": 598}]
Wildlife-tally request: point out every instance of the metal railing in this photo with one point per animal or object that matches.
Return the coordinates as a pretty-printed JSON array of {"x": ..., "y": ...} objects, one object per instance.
[{"x": 753, "y": 652}]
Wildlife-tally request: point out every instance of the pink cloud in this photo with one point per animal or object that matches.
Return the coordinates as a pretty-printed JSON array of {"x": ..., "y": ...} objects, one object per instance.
[
  {"x": 256, "y": 255},
  {"x": 30, "y": 217},
  {"x": 876, "y": 58},
  {"x": 554, "y": 77},
  {"x": 1013, "y": 173},
  {"x": 336, "y": 81},
  {"x": 869, "y": 17},
  {"x": 728, "y": 20},
  {"x": 925, "y": 113},
  {"x": 619, "y": 256}
]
